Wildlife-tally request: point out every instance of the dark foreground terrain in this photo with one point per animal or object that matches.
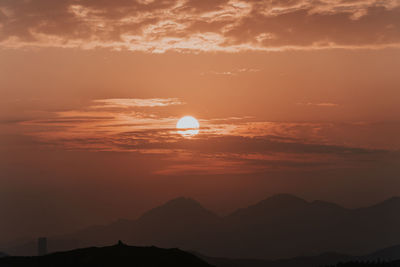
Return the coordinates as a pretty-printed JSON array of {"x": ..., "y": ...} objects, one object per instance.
[
  {"x": 384, "y": 256},
  {"x": 112, "y": 256},
  {"x": 368, "y": 264},
  {"x": 124, "y": 255}
]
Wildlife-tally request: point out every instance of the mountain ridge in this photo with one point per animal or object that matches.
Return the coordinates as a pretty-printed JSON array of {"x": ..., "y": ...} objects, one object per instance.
[{"x": 281, "y": 226}]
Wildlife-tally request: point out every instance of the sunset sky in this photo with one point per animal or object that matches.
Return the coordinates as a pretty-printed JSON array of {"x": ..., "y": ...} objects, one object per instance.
[{"x": 292, "y": 96}]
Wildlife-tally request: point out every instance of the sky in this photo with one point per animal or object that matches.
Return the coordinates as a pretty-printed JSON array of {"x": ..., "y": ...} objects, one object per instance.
[{"x": 293, "y": 96}]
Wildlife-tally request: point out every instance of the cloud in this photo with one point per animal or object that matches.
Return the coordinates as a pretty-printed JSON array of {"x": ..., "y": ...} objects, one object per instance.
[
  {"x": 232, "y": 72},
  {"x": 200, "y": 25},
  {"x": 322, "y": 104},
  {"x": 224, "y": 145},
  {"x": 136, "y": 102}
]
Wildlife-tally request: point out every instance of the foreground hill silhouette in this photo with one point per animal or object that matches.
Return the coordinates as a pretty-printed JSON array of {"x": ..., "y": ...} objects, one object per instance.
[
  {"x": 282, "y": 226},
  {"x": 319, "y": 260},
  {"x": 118, "y": 255},
  {"x": 386, "y": 255},
  {"x": 367, "y": 264},
  {"x": 122, "y": 255}
]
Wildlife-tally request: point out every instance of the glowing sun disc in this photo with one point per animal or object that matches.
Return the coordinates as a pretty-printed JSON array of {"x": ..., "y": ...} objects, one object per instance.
[{"x": 188, "y": 126}]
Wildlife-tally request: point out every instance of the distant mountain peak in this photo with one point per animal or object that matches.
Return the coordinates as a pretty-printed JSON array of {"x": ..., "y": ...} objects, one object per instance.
[
  {"x": 282, "y": 199},
  {"x": 392, "y": 202},
  {"x": 395, "y": 199},
  {"x": 178, "y": 208},
  {"x": 388, "y": 253},
  {"x": 182, "y": 202},
  {"x": 275, "y": 203},
  {"x": 285, "y": 197},
  {"x": 326, "y": 204}
]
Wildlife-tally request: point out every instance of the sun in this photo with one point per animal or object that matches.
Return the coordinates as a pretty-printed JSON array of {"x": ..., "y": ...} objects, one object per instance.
[{"x": 188, "y": 126}]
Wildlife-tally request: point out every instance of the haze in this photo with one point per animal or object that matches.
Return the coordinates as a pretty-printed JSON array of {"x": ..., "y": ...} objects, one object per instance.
[{"x": 292, "y": 97}]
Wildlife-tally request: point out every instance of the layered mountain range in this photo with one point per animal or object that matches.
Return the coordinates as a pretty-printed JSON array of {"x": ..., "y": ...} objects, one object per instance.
[{"x": 281, "y": 226}]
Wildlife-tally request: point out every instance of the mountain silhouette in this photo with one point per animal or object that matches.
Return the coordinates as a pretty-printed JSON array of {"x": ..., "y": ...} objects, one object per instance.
[
  {"x": 319, "y": 260},
  {"x": 367, "y": 264},
  {"x": 177, "y": 213},
  {"x": 3, "y": 254},
  {"x": 282, "y": 226},
  {"x": 281, "y": 207},
  {"x": 185, "y": 207},
  {"x": 178, "y": 223},
  {"x": 285, "y": 226},
  {"x": 325, "y": 259},
  {"x": 125, "y": 255},
  {"x": 117, "y": 255},
  {"x": 387, "y": 254}
]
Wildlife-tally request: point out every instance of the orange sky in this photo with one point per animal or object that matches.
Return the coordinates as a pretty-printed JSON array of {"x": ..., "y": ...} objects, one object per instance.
[{"x": 292, "y": 97}]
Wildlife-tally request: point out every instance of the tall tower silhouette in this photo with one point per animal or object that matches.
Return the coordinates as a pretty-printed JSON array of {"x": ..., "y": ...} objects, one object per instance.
[{"x": 42, "y": 246}]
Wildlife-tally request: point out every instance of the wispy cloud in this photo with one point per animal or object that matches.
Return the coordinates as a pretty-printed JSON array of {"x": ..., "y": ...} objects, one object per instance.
[
  {"x": 224, "y": 145},
  {"x": 136, "y": 102},
  {"x": 232, "y": 72},
  {"x": 195, "y": 26},
  {"x": 321, "y": 104}
]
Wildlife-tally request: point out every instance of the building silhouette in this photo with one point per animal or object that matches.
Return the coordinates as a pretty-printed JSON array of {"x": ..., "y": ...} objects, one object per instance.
[{"x": 42, "y": 246}]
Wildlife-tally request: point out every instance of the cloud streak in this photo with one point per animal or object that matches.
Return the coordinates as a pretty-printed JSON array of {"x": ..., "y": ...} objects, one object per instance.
[
  {"x": 322, "y": 104},
  {"x": 232, "y": 72},
  {"x": 196, "y": 26},
  {"x": 224, "y": 145},
  {"x": 135, "y": 102}
]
